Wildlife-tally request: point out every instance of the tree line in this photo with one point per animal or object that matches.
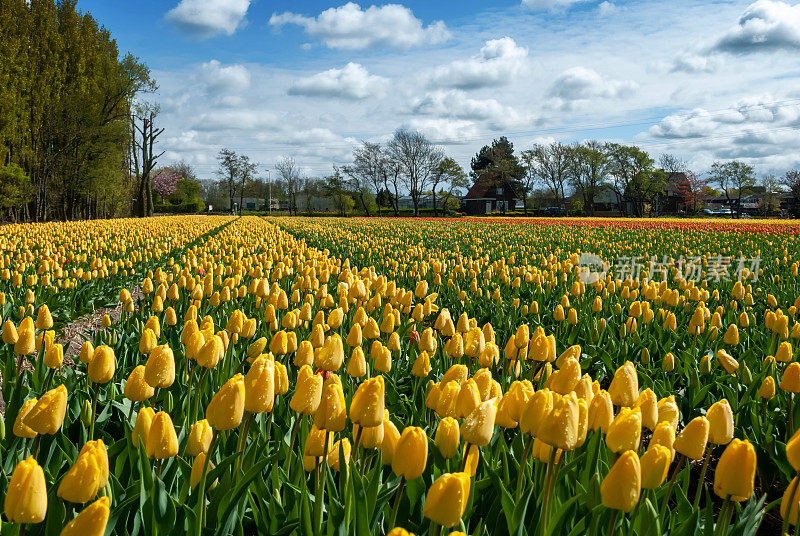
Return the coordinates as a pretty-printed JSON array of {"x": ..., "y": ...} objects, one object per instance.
[{"x": 67, "y": 109}]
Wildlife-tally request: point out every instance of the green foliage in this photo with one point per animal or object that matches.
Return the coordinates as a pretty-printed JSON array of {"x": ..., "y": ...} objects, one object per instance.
[{"x": 15, "y": 186}]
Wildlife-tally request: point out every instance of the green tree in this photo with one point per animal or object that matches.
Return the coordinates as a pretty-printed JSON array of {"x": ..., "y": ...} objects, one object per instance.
[
  {"x": 15, "y": 189},
  {"x": 447, "y": 172},
  {"x": 733, "y": 178},
  {"x": 634, "y": 177}
]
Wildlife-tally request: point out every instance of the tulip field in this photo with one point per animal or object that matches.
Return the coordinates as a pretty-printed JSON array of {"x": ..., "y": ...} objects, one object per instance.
[{"x": 370, "y": 376}]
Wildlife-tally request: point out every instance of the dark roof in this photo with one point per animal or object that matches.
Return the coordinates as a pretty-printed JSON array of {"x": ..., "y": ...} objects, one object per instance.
[{"x": 482, "y": 185}]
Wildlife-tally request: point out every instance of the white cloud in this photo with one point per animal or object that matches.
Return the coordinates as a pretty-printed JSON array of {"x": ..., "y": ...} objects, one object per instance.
[
  {"x": 350, "y": 27},
  {"x": 582, "y": 84},
  {"x": 221, "y": 79},
  {"x": 497, "y": 63},
  {"x": 236, "y": 119},
  {"x": 760, "y": 127},
  {"x": 206, "y": 18},
  {"x": 353, "y": 81},
  {"x": 765, "y": 25},
  {"x": 455, "y": 104},
  {"x": 549, "y": 4},
  {"x": 689, "y": 62},
  {"x": 606, "y": 8},
  {"x": 449, "y": 131}
]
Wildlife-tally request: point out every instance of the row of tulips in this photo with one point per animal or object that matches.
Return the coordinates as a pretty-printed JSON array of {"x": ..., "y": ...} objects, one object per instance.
[{"x": 339, "y": 398}]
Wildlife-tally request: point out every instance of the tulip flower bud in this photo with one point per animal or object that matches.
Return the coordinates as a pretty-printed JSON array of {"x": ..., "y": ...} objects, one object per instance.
[
  {"x": 26, "y": 496},
  {"x": 422, "y": 365},
  {"x": 412, "y": 450},
  {"x": 333, "y": 459},
  {"x": 720, "y": 422},
  {"x": 357, "y": 366},
  {"x": 87, "y": 352},
  {"x": 668, "y": 411},
  {"x": 147, "y": 341},
  {"x": 197, "y": 469},
  {"x": 727, "y": 361},
  {"x": 226, "y": 409},
  {"x": 307, "y": 391},
  {"x": 625, "y": 431},
  {"x": 560, "y": 427},
  {"x": 790, "y": 381},
  {"x": 793, "y": 451},
  {"x": 160, "y": 367},
  {"x": 767, "y": 389},
  {"x": 655, "y": 466},
  {"x": 647, "y": 403},
  {"x": 20, "y": 429},
  {"x": 199, "y": 439},
  {"x": 82, "y": 481},
  {"x": 736, "y": 471},
  {"x": 691, "y": 441},
  {"x": 784, "y": 352},
  {"x": 144, "y": 420},
  {"x": 624, "y": 387},
  {"x": 332, "y": 411},
  {"x": 447, "y": 499},
  {"x": 91, "y": 521},
  {"x": 367, "y": 406},
  {"x": 47, "y": 415},
  {"x": 54, "y": 356},
  {"x": 535, "y": 411},
  {"x": 315, "y": 442},
  {"x": 10, "y": 335},
  {"x": 601, "y": 412},
  {"x": 448, "y": 437},
  {"x": 211, "y": 353},
  {"x": 103, "y": 365},
  {"x": 26, "y": 342},
  {"x": 136, "y": 388},
  {"x": 259, "y": 386},
  {"x": 478, "y": 426},
  {"x": 622, "y": 485},
  {"x": 281, "y": 379},
  {"x": 389, "y": 444},
  {"x": 161, "y": 442}
]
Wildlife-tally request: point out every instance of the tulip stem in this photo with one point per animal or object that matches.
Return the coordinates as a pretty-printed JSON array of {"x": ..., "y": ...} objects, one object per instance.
[
  {"x": 791, "y": 416},
  {"x": 794, "y": 484},
  {"x": 397, "y": 499},
  {"x": 94, "y": 410},
  {"x": 202, "y": 499},
  {"x": 678, "y": 467},
  {"x": 724, "y": 519},
  {"x": 613, "y": 523},
  {"x": 547, "y": 491},
  {"x": 22, "y": 530},
  {"x": 701, "y": 483},
  {"x": 242, "y": 444},
  {"x": 522, "y": 465}
]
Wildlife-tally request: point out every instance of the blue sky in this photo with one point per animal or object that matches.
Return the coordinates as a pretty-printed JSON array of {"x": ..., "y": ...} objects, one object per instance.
[{"x": 705, "y": 80}]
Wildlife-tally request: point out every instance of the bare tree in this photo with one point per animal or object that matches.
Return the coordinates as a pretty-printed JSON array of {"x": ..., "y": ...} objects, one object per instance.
[
  {"x": 247, "y": 174},
  {"x": 587, "y": 172},
  {"x": 143, "y": 158},
  {"x": 390, "y": 172},
  {"x": 228, "y": 172},
  {"x": 733, "y": 178},
  {"x": 367, "y": 171},
  {"x": 416, "y": 157},
  {"x": 552, "y": 164},
  {"x": 290, "y": 175}
]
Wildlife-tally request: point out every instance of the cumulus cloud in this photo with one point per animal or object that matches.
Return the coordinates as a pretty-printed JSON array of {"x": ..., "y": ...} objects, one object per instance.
[
  {"x": 353, "y": 81},
  {"x": 689, "y": 62},
  {"x": 353, "y": 28},
  {"x": 455, "y": 104},
  {"x": 497, "y": 63},
  {"x": 236, "y": 119},
  {"x": 206, "y": 18},
  {"x": 582, "y": 84},
  {"x": 222, "y": 79},
  {"x": 754, "y": 127},
  {"x": 449, "y": 131},
  {"x": 766, "y": 25}
]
